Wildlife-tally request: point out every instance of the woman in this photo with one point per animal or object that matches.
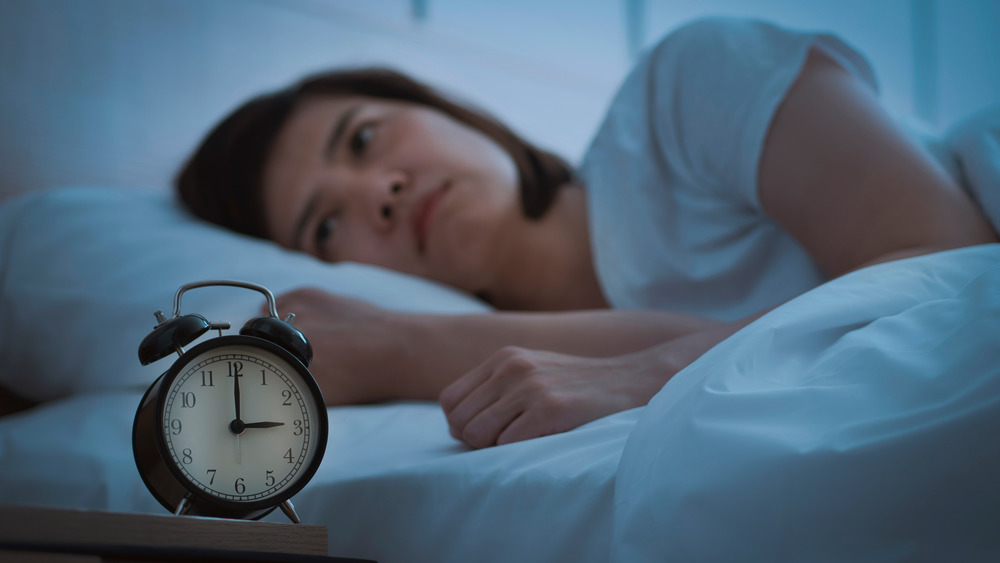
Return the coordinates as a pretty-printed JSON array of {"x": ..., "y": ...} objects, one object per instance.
[{"x": 740, "y": 164}]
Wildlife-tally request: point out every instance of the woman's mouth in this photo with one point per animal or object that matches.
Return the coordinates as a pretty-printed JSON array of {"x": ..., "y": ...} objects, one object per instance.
[{"x": 424, "y": 213}]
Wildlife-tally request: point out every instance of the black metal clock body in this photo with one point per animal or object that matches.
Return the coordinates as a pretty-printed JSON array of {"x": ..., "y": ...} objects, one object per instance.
[{"x": 237, "y": 425}]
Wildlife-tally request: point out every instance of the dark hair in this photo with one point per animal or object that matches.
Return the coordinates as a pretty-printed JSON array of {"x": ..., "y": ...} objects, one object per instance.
[{"x": 221, "y": 182}]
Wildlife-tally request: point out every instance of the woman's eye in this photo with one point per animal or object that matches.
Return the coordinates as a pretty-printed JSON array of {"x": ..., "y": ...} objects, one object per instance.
[
  {"x": 361, "y": 139},
  {"x": 325, "y": 230}
]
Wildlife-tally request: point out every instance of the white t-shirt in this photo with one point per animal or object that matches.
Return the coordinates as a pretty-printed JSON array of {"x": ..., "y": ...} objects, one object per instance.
[{"x": 671, "y": 176}]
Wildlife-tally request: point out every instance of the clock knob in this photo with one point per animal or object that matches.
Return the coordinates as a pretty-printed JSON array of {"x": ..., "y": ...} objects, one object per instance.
[
  {"x": 171, "y": 335},
  {"x": 281, "y": 333}
]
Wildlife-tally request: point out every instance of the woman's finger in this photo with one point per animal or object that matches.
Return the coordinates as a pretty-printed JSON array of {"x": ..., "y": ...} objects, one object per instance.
[
  {"x": 494, "y": 394},
  {"x": 452, "y": 395},
  {"x": 478, "y": 397},
  {"x": 523, "y": 427},
  {"x": 483, "y": 430},
  {"x": 544, "y": 415}
]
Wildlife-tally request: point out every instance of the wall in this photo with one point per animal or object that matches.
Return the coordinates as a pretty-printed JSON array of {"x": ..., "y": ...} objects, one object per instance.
[{"x": 117, "y": 92}]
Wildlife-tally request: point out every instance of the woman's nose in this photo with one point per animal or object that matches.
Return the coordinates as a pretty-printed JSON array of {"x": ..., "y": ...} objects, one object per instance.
[
  {"x": 386, "y": 200},
  {"x": 388, "y": 206}
]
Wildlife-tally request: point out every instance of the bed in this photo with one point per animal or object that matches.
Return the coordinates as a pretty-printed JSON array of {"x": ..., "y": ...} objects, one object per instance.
[{"x": 856, "y": 422}]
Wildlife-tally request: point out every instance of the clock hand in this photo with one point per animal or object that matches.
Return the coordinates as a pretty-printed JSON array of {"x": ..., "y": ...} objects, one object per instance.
[
  {"x": 263, "y": 424},
  {"x": 236, "y": 395},
  {"x": 236, "y": 426}
]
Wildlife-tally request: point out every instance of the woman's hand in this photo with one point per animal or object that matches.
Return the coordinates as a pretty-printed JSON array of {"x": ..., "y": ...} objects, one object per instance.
[
  {"x": 353, "y": 343},
  {"x": 520, "y": 394}
]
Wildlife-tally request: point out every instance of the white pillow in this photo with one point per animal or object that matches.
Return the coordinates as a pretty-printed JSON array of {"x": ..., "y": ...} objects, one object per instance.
[{"x": 83, "y": 269}]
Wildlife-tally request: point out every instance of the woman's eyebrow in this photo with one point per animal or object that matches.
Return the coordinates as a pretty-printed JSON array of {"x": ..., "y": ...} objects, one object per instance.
[{"x": 338, "y": 131}]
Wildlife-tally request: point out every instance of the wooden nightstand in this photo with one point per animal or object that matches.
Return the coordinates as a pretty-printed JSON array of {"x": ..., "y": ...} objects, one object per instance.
[{"x": 33, "y": 534}]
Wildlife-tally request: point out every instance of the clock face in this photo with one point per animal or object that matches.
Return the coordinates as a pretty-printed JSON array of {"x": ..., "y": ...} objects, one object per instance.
[{"x": 241, "y": 423}]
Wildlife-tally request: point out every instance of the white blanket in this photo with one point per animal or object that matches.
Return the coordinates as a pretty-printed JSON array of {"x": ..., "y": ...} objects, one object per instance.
[{"x": 856, "y": 423}]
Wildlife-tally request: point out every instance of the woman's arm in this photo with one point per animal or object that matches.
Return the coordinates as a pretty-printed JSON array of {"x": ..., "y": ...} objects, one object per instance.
[
  {"x": 585, "y": 334},
  {"x": 840, "y": 176},
  {"x": 371, "y": 354},
  {"x": 835, "y": 172}
]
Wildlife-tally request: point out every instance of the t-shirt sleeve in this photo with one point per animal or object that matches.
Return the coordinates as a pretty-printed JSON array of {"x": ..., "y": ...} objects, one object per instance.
[{"x": 717, "y": 84}]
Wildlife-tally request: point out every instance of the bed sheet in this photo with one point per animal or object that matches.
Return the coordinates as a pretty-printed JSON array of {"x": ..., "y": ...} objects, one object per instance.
[{"x": 393, "y": 482}]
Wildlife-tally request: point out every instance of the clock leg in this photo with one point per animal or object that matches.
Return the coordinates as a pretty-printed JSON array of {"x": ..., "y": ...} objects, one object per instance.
[
  {"x": 183, "y": 505},
  {"x": 289, "y": 511}
]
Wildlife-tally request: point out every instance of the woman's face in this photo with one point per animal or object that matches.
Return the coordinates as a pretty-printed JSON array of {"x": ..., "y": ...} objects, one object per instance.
[{"x": 394, "y": 184}]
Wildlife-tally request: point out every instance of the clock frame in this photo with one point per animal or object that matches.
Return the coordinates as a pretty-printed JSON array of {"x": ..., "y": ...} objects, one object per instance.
[{"x": 159, "y": 470}]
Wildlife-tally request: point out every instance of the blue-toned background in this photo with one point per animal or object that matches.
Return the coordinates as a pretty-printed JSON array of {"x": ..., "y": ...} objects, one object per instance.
[{"x": 117, "y": 92}]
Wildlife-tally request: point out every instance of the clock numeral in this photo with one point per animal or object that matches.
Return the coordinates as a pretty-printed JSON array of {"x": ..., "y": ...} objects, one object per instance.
[
  {"x": 235, "y": 368},
  {"x": 206, "y": 379},
  {"x": 212, "y": 478},
  {"x": 240, "y": 486},
  {"x": 263, "y": 377},
  {"x": 175, "y": 425},
  {"x": 269, "y": 479},
  {"x": 186, "y": 456},
  {"x": 288, "y": 455},
  {"x": 188, "y": 399},
  {"x": 298, "y": 428},
  {"x": 288, "y": 397}
]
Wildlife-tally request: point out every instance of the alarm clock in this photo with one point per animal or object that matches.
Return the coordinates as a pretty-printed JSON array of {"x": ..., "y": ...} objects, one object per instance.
[{"x": 237, "y": 424}]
